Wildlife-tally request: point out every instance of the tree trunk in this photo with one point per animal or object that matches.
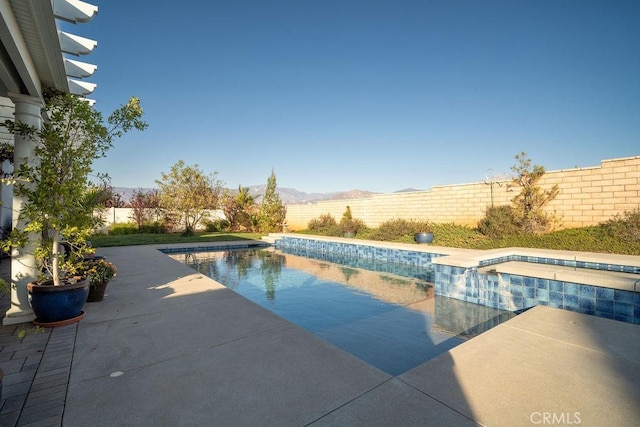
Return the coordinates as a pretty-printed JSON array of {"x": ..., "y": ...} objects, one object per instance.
[{"x": 55, "y": 269}]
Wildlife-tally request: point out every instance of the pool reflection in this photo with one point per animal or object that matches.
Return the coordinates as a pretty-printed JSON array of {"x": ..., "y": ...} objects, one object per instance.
[{"x": 389, "y": 317}]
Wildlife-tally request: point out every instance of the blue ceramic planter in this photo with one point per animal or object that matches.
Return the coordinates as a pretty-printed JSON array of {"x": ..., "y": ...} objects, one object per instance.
[
  {"x": 57, "y": 303},
  {"x": 423, "y": 237}
]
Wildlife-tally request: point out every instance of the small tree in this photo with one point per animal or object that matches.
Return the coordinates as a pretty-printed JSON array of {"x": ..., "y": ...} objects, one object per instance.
[
  {"x": 59, "y": 200},
  {"x": 139, "y": 207},
  {"x": 272, "y": 211},
  {"x": 113, "y": 199},
  {"x": 188, "y": 192},
  {"x": 528, "y": 204},
  {"x": 348, "y": 224},
  {"x": 238, "y": 208}
]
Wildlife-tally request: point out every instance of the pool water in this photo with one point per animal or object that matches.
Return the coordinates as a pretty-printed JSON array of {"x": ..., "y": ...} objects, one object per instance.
[{"x": 387, "y": 315}]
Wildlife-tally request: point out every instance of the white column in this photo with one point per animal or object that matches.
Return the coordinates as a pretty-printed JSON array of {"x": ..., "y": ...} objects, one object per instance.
[{"x": 23, "y": 265}]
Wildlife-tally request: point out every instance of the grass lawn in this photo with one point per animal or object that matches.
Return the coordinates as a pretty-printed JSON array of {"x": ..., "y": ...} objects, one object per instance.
[{"x": 101, "y": 240}]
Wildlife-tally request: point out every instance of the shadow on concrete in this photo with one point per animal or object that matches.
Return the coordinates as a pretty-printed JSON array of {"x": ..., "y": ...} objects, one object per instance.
[{"x": 168, "y": 345}]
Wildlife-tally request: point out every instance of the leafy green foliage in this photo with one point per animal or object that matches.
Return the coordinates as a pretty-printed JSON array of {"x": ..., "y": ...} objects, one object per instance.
[
  {"x": 528, "y": 204},
  {"x": 144, "y": 205},
  {"x": 585, "y": 239},
  {"x": 499, "y": 221},
  {"x": 399, "y": 230},
  {"x": 128, "y": 228},
  {"x": 625, "y": 228},
  {"x": 348, "y": 224},
  {"x": 240, "y": 209},
  {"x": 272, "y": 212},
  {"x": 123, "y": 229},
  {"x": 188, "y": 193},
  {"x": 98, "y": 271},
  {"x": 54, "y": 182},
  {"x": 325, "y": 225},
  {"x": 217, "y": 225}
]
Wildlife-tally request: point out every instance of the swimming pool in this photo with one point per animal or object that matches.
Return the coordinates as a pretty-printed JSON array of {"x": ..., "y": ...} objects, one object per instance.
[{"x": 383, "y": 313}]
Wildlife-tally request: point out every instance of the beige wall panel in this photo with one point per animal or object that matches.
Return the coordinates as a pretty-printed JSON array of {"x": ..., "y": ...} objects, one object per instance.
[{"x": 587, "y": 196}]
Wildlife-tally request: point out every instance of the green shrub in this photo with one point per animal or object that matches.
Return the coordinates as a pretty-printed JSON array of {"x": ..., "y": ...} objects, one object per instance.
[
  {"x": 122, "y": 229},
  {"x": 498, "y": 222},
  {"x": 625, "y": 228},
  {"x": 400, "y": 230},
  {"x": 392, "y": 230},
  {"x": 154, "y": 227},
  {"x": 217, "y": 225},
  {"x": 348, "y": 224},
  {"x": 325, "y": 225},
  {"x": 457, "y": 236}
]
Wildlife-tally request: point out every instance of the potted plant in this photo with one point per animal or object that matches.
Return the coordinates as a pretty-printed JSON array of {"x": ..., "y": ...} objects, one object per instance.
[
  {"x": 99, "y": 271},
  {"x": 59, "y": 199},
  {"x": 424, "y": 233}
]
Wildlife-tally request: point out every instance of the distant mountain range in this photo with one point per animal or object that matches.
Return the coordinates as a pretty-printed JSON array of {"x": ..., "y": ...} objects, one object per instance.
[{"x": 289, "y": 196}]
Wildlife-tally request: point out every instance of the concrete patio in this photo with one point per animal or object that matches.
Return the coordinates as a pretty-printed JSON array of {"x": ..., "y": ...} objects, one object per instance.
[{"x": 169, "y": 346}]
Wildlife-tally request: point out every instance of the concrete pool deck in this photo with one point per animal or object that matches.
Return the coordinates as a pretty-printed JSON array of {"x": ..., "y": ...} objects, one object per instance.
[{"x": 169, "y": 346}]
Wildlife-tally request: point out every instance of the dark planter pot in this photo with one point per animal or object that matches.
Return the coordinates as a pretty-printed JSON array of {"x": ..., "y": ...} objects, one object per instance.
[
  {"x": 423, "y": 237},
  {"x": 96, "y": 292},
  {"x": 52, "y": 304}
]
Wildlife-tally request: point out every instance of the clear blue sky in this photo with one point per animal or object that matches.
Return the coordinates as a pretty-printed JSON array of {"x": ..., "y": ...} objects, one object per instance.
[{"x": 381, "y": 95}]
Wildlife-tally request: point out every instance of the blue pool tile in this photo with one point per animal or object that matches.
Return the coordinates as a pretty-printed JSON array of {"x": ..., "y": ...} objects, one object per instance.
[
  {"x": 623, "y": 296},
  {"x": 504, "y": 287},
  {"x": 542, "y": 295},
  {"x": 587, "y": 303},
  {"x": 587, "y": 291},
  {"x": 604, "y": 306},
  {"x": 518, "y": 301},
  {"x": 571, "y": 289},
  {"x": 571, "y": 301},
  {"x": 623, "y": 309},
  {"x": 604, "y": 314},
  {"x": 604, "y": 294},
  {"x": 542, "y": 284},
  {"x": 621, "y": 318},
  {"x": 504, "y": 298},
  {"x": 493, "y": 297},
  {"x": 555, "y": 299},
  {"x": 556, "y": 286},
  {"x": 530, "y": 302},
  {"x": 515, "y": 280},
  {"x": 529, "y": 282},
  {"x": 516, "y": 290},
  {"x": 528, "y": 292}
]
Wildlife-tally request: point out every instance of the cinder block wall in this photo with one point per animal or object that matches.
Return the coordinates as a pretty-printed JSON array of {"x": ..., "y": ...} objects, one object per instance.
[{"x": 587, "y": 196}]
